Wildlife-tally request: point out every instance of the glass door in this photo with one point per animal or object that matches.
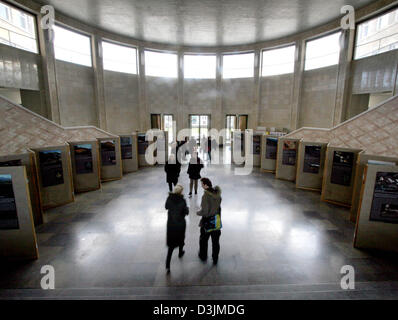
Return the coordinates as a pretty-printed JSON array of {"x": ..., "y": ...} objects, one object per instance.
[
  {"x": 231, "y": 125},
  {"x": 168, "y": 125},
  {"x": 200, "y": 126}
]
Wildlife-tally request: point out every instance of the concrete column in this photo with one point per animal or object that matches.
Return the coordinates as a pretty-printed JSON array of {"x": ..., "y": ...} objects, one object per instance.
[
  {"x": 181, "y": 117},
  {"x": 343, "y": 79},
  {"x": 143, "y": 112},
  {"x": 219, "y": 90},
  {"x": 50, "y": 93},
  {"x": 257, "y": 89},
  {"x": 99, "y": 87},
  {"x": 297, "y": 85}
]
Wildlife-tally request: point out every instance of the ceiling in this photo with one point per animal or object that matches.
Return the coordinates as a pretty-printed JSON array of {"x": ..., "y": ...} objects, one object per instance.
[{"x": 204, "y": 22}]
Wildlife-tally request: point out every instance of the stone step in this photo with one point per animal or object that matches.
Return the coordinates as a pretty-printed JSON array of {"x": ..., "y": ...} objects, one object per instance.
[{"x": 363, "y": 290}]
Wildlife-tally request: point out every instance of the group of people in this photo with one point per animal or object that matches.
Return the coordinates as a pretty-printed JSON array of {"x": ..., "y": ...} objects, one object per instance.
[
  {"x": 210, "y": 224},
  {"x": 210, "y": 211}
]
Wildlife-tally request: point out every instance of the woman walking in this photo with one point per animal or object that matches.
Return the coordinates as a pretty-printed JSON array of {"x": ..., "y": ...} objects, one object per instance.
[
  {"x": 173, "y": 169},
  {"x": 195, "y": 166},
  {"x": 176, "y": 225},
  {"x": 210, "y": 225}
]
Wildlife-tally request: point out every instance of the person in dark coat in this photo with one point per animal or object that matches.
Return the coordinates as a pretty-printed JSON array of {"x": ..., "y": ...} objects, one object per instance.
[
  {"x": 194, "y": 168},
  {"x": 176, "y": 225},
  {"x": 172, "y": 169}
]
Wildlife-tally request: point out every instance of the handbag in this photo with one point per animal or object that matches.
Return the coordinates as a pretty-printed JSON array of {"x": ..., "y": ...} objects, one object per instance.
[{"x": 213, "y": 223}]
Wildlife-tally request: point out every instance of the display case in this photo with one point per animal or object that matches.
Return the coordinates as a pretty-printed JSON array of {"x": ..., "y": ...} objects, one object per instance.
[
  {"x": 129, "y": 148},
  {"x": 287, "y": 156},
  {"x": 269, "y": 153},
  {"x": 377, "y": 223},
  {"x": 311, "y": 163},
  {"x": 27, "y": 160},
  {"x": 363, "y": 160},
  {"x": 54, "y": 176},
  {"x": 110, "y": 159},
  {"x": 339, "y": 173},
  {"x": 85, "y": 165},
  {"x": 17, "y": 232}
]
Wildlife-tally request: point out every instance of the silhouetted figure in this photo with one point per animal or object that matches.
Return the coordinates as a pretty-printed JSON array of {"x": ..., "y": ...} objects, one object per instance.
[
  {"x": 172, "y": 169},
  {"x": 176, "y": 225},
  {"x": 194, "y": 168}
]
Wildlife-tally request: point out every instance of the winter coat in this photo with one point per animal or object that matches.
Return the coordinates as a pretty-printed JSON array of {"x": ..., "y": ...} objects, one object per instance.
[
  {"x": 176, "y": 225},
  {"x": 194, "y": 170},
  {"x": 173, "y": 172},
  {"x": 211, "y": 203}
]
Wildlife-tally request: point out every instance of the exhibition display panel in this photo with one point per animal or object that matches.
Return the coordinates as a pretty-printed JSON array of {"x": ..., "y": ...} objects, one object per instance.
[
  {"x": 269, "y": 153},
  {"x": 27, "y": 160},
  {"x": 129, "y": 147},
  {"x": 17, "y": 231},
  {"x": 238, "y": 139},
  {"x": 257, "y": 145},
  {"x": 111, "y": 159},
  {"x": 287, "y": 156},
  {"x": 339, "y": 173},
  {"x": 310, "y": 167},
  {"x": 363, "y": 160},
  {"x": 85, "y": 165},
  {"x": 54, "y": 176},
  {"x": 377, "y": 224},
  {"x": 159, "y": 151}
]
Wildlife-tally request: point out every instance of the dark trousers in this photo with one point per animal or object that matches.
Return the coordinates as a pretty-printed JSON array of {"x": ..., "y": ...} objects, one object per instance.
[
  {"x": 203, "y": 243},
  {"x": 171, "y": 185},
  {"x": 170, "y": 254}
]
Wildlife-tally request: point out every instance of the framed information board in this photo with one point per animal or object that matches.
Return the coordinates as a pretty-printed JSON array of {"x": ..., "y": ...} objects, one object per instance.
[
  {"x": 342, "y": 168},
  {"x": 108, "y": 153},
  {"x": 385, "y": 198},
  {"x": 83, "y": 158},
  {"x": 271, "y": 148},
  {"x": 312, "y": 159},
  {"x": 51, "y": 168},
  {"x": 126, "y": 144},
  {"x": 8, "y": 207},
  {"x": 289, "y": 153}
]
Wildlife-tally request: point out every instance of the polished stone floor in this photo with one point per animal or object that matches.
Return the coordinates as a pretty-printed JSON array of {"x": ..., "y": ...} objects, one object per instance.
[{"x": 277, "y": 243}]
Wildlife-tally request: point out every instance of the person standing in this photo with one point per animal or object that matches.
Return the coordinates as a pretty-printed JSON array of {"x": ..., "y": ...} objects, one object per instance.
[
  {"x": 194, "y": 168},
  {"x": 176, "y": 225},
  {"x": 173, "y": 170},
  {"x": 210, "y": 224}
]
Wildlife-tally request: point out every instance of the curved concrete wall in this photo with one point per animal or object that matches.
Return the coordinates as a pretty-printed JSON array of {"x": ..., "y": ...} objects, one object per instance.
[{"x": 122, "y": 103}]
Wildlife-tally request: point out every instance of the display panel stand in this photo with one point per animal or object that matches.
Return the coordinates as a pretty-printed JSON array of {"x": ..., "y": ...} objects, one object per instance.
[
  {"x": 110, "y": 159},
  {"x": 17, "y": 232},
  {"x": 129, "y": 147},
  {"x": 257, "y": 146},
  {"x": 27, "y": 160},
  {"x": 286, "y": 164},
  {"x": 269, "y": 152},
  {"x": 362, "y": 162},
  {"x": 54, "y": 174},
  {"x": 338, "y": 177},
  {"x": 85, "y": 165},
  {"x": 238, "y": 137},
  {"x": 311, "y": 164},
  {"x": 143, "y": 145},
  {"x": 377, "y": 224}
]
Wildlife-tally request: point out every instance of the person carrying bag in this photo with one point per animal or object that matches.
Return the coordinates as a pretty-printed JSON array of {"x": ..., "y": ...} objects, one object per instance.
[{"x": 210, "y": 224}]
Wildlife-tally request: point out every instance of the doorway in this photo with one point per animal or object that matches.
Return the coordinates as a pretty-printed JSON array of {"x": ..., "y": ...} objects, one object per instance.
[
  {"x": 168, "y": 125},
  {"x": 199, "y": 126},
  {"x": 231, "y": 125}
]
